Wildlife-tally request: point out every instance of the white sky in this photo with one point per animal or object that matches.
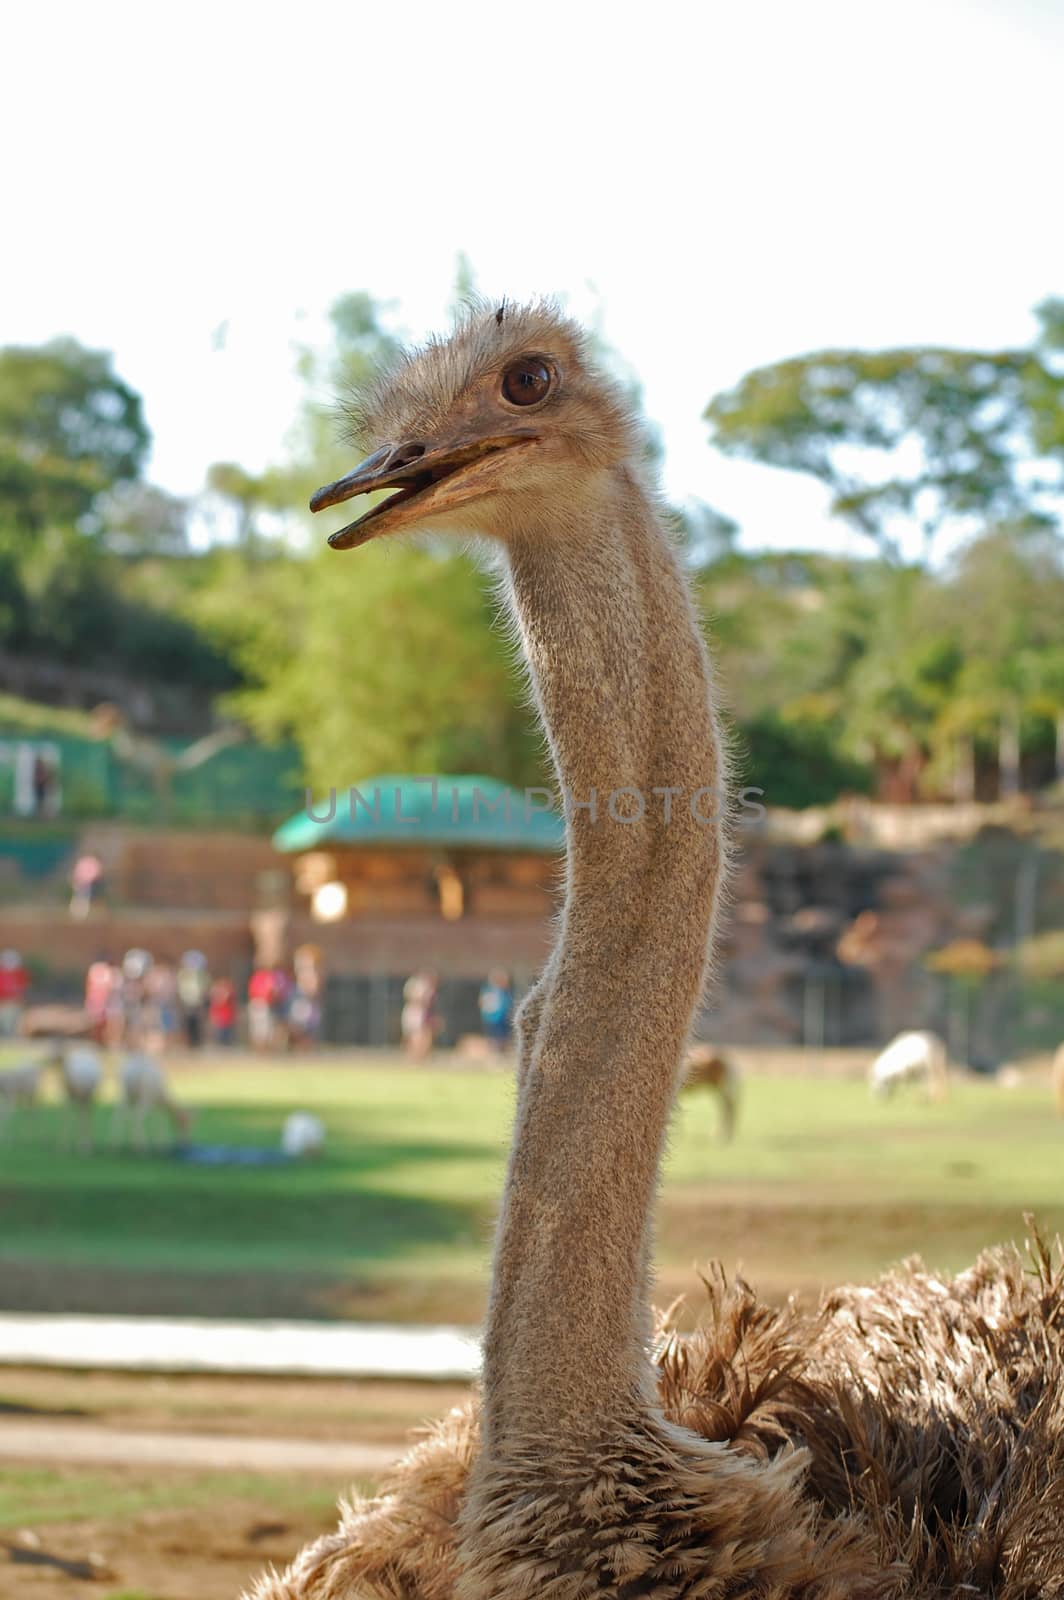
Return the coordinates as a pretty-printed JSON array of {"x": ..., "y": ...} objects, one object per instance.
[{"x": 733, "y": 183}]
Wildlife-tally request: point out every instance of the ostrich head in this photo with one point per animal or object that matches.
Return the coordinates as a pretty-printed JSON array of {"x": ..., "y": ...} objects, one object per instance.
[{"x": 470, "y": 429}]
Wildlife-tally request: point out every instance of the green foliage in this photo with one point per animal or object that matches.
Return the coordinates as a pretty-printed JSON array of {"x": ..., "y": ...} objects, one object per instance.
[
  {"x": 905, "y": 437},
  {"x": 73, "y": 511},
  {"x": 837, "y": 674},
  {"x": 896, "y": 671},
  {"x": 70, "y": 429},
  {"x": 27, "y": 716},
  {"x": 385, "y": 663},
  {"x": 138, "y": 519},
  {"x": 795, "y": 763},
  {"x": 74, "y": 602}
]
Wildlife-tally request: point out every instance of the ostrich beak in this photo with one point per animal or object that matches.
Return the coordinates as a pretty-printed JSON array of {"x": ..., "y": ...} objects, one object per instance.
[{"x": 427, "y": 482}]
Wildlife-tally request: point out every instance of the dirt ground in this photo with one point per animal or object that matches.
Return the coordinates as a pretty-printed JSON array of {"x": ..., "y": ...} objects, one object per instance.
[
  {"x": 207, "y": 1552},
  {"x": 134, "y": 1530}
]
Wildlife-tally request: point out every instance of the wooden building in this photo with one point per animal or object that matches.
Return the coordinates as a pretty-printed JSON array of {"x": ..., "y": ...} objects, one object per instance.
[{"x": 457, "y": 875}]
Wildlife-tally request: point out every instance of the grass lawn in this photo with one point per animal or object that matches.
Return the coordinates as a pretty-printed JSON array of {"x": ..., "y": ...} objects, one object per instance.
[{"x": 394, "y": 1221}]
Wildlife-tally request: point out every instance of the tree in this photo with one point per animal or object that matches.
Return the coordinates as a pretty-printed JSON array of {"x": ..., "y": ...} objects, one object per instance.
[
  {"x": 1005, "y": 600},
  {"x": 1046, "y": 380},
  {"x": 377, "y": 663},
  {"x": 139, "y": 519},
  {"x": 384, "y": 662},
  {"x": 70, "y": 429},
  {"x": 905, "y": 438}
]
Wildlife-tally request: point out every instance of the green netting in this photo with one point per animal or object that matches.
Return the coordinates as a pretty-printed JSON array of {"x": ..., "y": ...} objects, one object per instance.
[{"x": 245, "y": 782}]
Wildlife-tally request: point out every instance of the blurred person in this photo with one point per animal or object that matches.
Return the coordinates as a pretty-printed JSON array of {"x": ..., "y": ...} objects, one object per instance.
[
  {"x": 304, "y": 1011},
  {"x": 14, "y": 982},
  {"x": 115, "y": 1010},
  {"x": 86, "y": 886},
  {"x": 136, "y": 965},
  {"x": 100, "y": 981},
  {"x": 162, "y": 1005},
  {"x": 43, "y": 786},
  {"x": 260, "y": 1013},
  {"x": 193, "y": 990},
  {"x": 280, "y": 1000},
  {"x": 304, "y": 1018},
  {"x": 221, "y": 1011},
  {"x": 420, "y": 1018},
  {"x": 496, "y": 1008}
]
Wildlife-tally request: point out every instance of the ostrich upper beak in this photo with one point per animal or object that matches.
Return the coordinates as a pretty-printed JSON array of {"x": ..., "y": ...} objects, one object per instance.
[{"x": 427, "y": 482}]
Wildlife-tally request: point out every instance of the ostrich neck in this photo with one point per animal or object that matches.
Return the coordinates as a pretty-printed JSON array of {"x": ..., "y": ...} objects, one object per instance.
[{"x": 621, "y": 679}]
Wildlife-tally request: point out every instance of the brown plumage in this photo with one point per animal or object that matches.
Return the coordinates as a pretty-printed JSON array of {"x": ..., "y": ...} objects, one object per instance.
[{"x": 900, "y": 1441}]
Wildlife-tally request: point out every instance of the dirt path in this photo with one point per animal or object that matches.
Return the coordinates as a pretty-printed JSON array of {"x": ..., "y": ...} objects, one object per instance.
[{"x": 76, "y": 1442}]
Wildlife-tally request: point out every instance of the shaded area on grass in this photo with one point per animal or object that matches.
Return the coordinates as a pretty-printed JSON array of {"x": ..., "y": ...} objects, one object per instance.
[
  {"x": 297, "y": 1296},
  {"x": 139, "y": 1209},
  {"x": 820, "y": 1184}
]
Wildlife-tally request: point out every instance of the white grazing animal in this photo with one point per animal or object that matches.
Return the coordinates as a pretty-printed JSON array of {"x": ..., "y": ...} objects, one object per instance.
[
  {"x": 910, "y": 1058},
  {"x": 303, "y": 1135},
  {"x": 19, "y": 1087},
  {"x": 143, "y": 1088},
  {"x": 82, "y": 1071}
]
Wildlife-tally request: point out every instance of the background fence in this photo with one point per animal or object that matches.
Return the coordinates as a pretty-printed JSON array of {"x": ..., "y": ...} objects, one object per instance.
[{"x": 88, "y": 779}]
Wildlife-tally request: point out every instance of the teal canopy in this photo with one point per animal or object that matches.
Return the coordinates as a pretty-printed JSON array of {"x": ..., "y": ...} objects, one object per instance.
[{"x": 471, "y": 813}]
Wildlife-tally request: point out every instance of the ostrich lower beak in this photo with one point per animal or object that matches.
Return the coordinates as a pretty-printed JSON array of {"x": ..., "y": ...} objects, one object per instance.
[{"x": 426, "y": 484}]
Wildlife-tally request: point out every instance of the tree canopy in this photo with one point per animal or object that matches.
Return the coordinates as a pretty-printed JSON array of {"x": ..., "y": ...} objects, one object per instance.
[
  {"x": 911, "y": 438},
  {"x": 70, "y": 429},
  {"x": 900, "y": 676}
]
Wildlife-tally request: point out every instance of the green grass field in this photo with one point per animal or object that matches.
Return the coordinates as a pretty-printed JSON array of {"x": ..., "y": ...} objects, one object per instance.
[{"x": 820, "y": 1185}]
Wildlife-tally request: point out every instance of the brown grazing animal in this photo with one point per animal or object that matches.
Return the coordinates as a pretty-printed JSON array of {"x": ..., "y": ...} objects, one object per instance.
[
  {"x": 904, "y": 1440},
  {"x": 56, "y": 1022},
  {"x": 706, "y": 1067}
]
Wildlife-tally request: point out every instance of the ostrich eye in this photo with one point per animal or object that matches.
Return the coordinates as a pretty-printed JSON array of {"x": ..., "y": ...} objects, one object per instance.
[{"x": 526, "y": 382}]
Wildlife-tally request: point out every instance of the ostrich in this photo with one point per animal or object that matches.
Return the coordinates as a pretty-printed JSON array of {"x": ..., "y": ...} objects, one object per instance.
[
  {"x": 905, "y": 1440},
  {"x": 706, "y": 1067}
]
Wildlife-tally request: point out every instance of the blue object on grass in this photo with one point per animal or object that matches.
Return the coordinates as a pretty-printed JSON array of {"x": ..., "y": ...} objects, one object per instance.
[{"x": 231, "y": 1155}]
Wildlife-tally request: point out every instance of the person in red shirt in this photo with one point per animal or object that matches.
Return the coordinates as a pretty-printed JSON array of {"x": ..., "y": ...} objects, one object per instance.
[
  {"x": 222, "y": 1011},
  {"x": 14, "y": 981},
  {"x": 260, "y": 1016}
]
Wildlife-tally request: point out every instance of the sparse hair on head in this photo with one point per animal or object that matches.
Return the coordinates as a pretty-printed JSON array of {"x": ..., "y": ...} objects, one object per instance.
[{"x": 414, "y": 395}]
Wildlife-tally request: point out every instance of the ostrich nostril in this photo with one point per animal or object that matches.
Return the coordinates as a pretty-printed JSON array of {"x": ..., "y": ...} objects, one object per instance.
[{"x": 405, "y": 454}]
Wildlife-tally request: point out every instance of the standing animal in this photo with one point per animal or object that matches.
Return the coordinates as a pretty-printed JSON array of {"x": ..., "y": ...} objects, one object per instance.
[
  {"x": 914, "y": 1057},
  {"x": 143, "y": 1089},
  {"x": 19, "y": 1088},
  {"x": 56, "y": 1022},
  {"x": 903, "y": 1440},
  {"x": 1058, "y": 1080},
  {"x": 706, "y": 1067},
  {"x": 81, "y": 1069}
]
